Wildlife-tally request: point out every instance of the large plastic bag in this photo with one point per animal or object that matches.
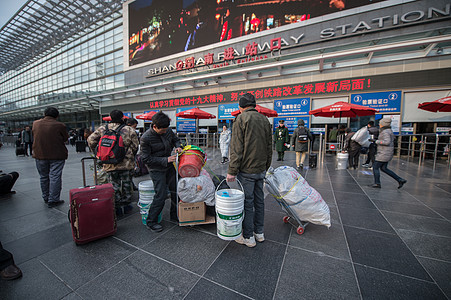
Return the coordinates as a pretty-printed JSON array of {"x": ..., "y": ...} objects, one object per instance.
[
  {"x": 362, "y": 137},
  {"x": 303, "y": 200},
  {"x": 197, "y": 189}
]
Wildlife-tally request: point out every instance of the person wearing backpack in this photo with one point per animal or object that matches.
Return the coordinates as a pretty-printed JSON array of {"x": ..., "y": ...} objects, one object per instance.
[
  {"x": 281, "y": 140},
  {"x": 300, "y": 139},
  {"x": 115, "y": 145}
]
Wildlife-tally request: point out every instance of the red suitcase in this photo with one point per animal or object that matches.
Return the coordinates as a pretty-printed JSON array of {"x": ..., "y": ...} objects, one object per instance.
[{"x": 91, "y": 213}]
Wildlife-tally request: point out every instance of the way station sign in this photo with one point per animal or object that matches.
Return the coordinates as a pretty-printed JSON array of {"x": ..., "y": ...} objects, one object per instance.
[{"x": 292, "y": 107}]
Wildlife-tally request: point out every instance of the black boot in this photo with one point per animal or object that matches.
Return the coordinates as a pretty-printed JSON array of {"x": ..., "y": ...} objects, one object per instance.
[{"x": 223, "y": 160}]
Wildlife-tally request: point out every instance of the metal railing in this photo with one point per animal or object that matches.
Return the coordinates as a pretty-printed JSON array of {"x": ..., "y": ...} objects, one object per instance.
[
  {"x": 421, "y": 147},
  {"x": 425, "y": 146}
]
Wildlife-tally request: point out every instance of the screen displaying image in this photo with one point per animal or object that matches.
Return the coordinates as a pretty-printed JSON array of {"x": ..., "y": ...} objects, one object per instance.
[{"x": 157, "y": 29}]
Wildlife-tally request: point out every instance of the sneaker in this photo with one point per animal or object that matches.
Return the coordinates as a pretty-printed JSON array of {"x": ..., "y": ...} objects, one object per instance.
[
  {"x": 401, "y": 183},
  {"x": 301, "y": 166},
  {"x": 377, "y": 186},
  {"x": 54, "y": 203},
  {"x": 259, "y": 237},
  {"x": 155, "y": 227},
  {"x": 250, "y": 242},
  {"x": 365, "y": 165}
]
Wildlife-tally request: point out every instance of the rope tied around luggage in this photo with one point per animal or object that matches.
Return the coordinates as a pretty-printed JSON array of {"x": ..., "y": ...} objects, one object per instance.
[{"x": 281, "y": 197}]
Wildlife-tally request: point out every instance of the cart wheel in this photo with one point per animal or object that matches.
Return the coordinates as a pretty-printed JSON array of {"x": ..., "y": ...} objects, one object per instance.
[
  {"x": 300, "y": 230},
  {"x": 286, "y": 219}
]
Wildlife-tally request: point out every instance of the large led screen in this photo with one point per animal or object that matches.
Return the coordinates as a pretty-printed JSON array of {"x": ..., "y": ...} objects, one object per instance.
[{"x": 160, "y": 28}]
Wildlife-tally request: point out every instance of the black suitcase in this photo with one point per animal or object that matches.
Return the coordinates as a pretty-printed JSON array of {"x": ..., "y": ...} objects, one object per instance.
[
  {"x": 80, "y": 146},
  {"x": 20, "y": 150},
  {"x": 312, "y": 160}
]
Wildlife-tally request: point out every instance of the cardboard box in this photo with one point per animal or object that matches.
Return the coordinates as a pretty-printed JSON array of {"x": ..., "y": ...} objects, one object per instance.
[{"x": 191, "y": 212}]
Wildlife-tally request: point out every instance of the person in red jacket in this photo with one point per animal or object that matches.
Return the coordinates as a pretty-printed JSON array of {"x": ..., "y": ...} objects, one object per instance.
[{"x": 50, "y": 152}]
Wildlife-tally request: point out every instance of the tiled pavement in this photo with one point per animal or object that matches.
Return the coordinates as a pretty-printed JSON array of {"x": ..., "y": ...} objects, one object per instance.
[{"x": 383, "y": 244}]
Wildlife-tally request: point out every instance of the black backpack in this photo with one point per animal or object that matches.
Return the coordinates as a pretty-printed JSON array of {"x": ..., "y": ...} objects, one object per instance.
[
  {"x": 302, "y": 135},
  {"x": 111, "y": 149}
]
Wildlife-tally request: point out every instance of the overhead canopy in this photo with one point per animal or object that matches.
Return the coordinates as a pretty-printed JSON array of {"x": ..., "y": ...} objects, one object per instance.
[{"x": 40, "y": 25}]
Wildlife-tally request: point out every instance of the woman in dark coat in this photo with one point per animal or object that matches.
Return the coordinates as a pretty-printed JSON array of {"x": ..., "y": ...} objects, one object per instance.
[
  {"x": 300, "y": 140},
  {"x": 281, "y": 139}
]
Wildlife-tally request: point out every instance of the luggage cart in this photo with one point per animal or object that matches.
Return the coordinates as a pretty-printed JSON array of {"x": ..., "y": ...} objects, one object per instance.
[
  {"x": 291, "y": 217},
  {"x": 208, "y": 219}
]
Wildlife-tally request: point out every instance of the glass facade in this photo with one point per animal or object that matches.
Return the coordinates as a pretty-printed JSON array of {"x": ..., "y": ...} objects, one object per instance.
[{"x": 89, "y": 63}]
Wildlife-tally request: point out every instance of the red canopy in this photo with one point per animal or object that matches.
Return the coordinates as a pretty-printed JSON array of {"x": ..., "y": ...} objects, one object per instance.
[
  {"x": 343, "y": 109},
  {"x": 195, "y": 113},
  {"x": 440, "y": 105},
  {"x": 109, "y": 118},
  {"x": 261, "y": 109},
  {"x": 146, "y": 116}
]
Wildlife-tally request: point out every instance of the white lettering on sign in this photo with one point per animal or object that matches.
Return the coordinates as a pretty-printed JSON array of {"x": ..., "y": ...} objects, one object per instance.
[{"x": 380, "y": 22}]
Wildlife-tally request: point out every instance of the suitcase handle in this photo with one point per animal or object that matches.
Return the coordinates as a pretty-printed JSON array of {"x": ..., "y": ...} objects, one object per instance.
[{"x": 83, "y": 169}]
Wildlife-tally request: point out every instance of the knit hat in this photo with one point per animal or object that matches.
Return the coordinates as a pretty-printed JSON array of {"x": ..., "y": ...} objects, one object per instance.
[
  {"x": 385, "y": 122},
  {"x": 247, "y": 100}
]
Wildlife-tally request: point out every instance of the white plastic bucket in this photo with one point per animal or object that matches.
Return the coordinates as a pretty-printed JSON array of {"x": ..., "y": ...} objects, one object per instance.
[
  {"x": 229, "y": 213},
  {"x": 146, "y": 194},
  {"x": 342, "y": 161},
  {"x": 146, "y": 191}
]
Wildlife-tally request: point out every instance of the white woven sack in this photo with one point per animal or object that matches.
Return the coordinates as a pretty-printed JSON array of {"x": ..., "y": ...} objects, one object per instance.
[
  {"x": 304, "y": 200},
  {"x": 197, "y": 189}
]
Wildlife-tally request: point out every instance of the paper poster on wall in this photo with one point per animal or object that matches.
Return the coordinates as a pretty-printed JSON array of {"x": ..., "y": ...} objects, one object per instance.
[
  {"x": 384, "y": 102},
  {"x": 395, "y": 122},
  {"x": 292, "y": 107},
  {"x": 185, "y": 125}
]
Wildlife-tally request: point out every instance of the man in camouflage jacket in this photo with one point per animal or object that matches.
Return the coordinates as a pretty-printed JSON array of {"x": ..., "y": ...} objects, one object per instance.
[{"x": 119, "y": 174}]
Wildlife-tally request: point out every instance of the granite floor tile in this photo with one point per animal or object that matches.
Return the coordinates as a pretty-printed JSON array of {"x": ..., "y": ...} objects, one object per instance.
[
  {"x": 427, "y": 245},
  {"x": 140, "y": 276},
  {"x": 42, "y": 241},
  {"x": 406, "y": 208},
  {"x": 322, "y": 240},
  {"x": 377, "y": 284},
  {"x": 29, "y": 224},
  {"x": 85, "y": 262},
  {"x": 190, "y": 249},
  {"x": 395, "y": 195},
  {"x": 444, "y": 212},
  {"x": 249, "y": 271},
  {"x": 440, "y": 271},
  {"x": 37, "y": 283},
  {"x": 206, "y": 289},
  {"x": 366, "y": 218},
  {"x": 353, "y": 199},
  {"x": 418, "y": 223},
  {"x": 19, "y": 205},
  {"x": 72, "y": 296},
  {"x": 383, "y": 251},
  {"x": 131, "y": 230},
  {"x": 307, "y": 275},
  {"x": 275, "y": 228}
]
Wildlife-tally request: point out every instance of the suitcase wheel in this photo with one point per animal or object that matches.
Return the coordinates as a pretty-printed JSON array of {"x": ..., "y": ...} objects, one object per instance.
[
  {"x": 300, "y": 230},
  {"x": 286, "y": 219}
]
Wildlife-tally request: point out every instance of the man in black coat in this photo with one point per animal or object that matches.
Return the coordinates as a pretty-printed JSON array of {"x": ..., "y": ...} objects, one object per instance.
[
  {"x": 353, "y": 148},
  {"x": 157, "y": 144}
]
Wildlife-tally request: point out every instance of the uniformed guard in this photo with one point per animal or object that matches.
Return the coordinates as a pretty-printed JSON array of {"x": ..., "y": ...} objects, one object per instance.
[{"x": 281, "y": 140}]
